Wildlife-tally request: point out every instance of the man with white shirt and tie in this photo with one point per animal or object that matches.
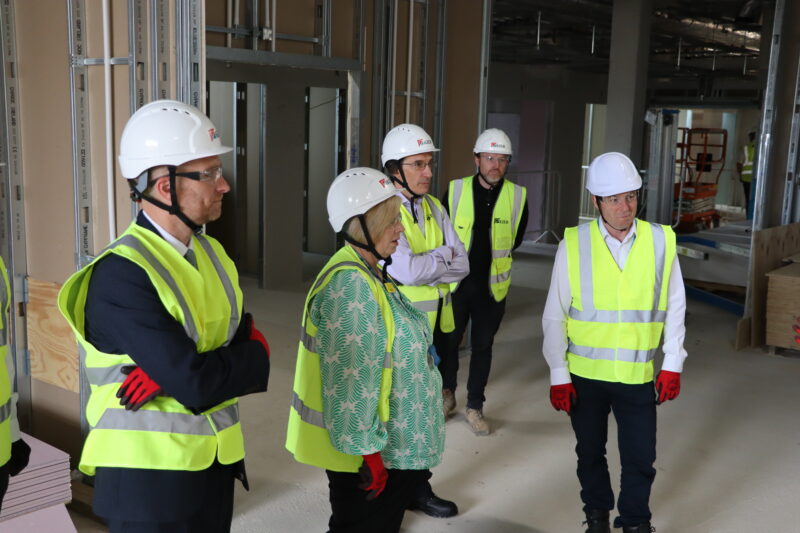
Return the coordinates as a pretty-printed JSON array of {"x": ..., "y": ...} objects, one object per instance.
[{"x": 616, "y": 289}]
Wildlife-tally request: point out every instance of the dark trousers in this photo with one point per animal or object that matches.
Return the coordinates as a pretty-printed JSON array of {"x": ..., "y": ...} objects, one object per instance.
[
  {"x": 473, "y": 300},
  {"x": 3, "y": 483},
  {"x": 634, "y": 409},
  {"x": 352, "y": 513},
  {"x": 157, "y": 504}
]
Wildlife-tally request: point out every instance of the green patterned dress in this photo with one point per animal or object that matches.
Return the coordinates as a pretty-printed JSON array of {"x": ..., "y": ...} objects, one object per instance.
[{"x": 351, "y": 340}]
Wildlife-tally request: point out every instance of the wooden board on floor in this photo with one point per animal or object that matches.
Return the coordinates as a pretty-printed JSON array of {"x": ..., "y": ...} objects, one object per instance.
[
  {"x": 770, "y": 247},
  {"x": 53, "y": 352}
]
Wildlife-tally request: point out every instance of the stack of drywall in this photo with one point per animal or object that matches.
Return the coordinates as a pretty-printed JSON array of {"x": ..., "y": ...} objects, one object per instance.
[{"x": 45, "y": 482}]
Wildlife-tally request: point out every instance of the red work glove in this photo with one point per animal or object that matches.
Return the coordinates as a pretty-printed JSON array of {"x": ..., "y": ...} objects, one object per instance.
[
  {"x": 668, "y": 385},
  {"x": 247, "y": 331},
  {"x": 256, "y": 335},
  {"x": 796, "y": 329},
  {"x": 373, "y": 475},
  {"x": 137, "y": 389},
  {"x": 563, "y": 396}
]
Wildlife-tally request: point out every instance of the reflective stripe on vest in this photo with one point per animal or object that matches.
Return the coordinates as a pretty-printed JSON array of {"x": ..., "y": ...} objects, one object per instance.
[
  {"x": 617, "y": 344},
  {"x": 426, "y": 297},
  {"x": 509, "y": 205},
  {"x": 164, "y": 422},
  {"x": 307, "y": 438}
]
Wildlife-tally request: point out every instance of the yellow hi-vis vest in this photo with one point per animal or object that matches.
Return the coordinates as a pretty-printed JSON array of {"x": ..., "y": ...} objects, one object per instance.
[
  {"x": 506, "y": 217},
  {"x": 163, "y": 434},
  {"x": 617, "y": 316},
  {"x": 426, "y": 297},
  {"x": 747, "y": 165},
  {"x": 307, "y": 437},
  {"x": 6, "y": 369}
]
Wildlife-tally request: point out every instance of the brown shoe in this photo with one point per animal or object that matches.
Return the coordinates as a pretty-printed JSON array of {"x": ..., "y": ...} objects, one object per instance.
[
  {"x": 477, "y": 423},
  {"x": 448, "y": 402}
]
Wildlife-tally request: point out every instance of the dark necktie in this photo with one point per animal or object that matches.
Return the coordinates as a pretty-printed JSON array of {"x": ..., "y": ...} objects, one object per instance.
[{"x": 189, "y": 255}]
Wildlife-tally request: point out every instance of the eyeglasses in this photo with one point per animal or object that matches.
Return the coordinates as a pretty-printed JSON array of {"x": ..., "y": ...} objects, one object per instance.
[
  {"x": 614, "y": 201},
  {"x": 207, "y": 175},
  {"x": 501, "y": 159},
  {"x": 420, "y": 165}
]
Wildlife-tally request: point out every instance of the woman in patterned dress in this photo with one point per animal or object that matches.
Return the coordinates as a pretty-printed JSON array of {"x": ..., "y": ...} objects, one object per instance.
[{"x": 367, "y": 401}]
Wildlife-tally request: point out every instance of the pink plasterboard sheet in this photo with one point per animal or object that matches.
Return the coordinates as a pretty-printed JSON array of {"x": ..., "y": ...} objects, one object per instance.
[
  {"x": 44, "y": 479},
  {"x": 26, "y": 492},
  {"x": 23, "y": 511},
  {"x": 51, "y": 519}
]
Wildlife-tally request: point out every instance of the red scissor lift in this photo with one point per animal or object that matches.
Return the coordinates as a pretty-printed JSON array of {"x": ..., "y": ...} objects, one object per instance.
[{"x": 701, "y": 158}]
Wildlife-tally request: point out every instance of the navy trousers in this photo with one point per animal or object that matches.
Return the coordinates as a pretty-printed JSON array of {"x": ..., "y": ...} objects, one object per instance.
[
  {"x": 474, "y": 300},
  {"x": 634, "y": 408},
  {"x": 352, "y": 513}
]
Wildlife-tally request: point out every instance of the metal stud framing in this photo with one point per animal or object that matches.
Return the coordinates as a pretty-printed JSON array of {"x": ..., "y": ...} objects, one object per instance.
[{"x": 791, "y": 200}]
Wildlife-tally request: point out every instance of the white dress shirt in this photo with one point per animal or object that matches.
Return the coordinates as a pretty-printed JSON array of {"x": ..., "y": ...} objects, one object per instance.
[
  {"x": 559, "y": 300},
  {"x": 446, "y": 264},
  {"x": 178, "y": 245}
]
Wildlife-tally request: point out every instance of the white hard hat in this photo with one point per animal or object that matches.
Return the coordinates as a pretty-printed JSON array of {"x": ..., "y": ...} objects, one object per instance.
[
  {"x": 612, "y": 173},
  {"x": 493, "y": 141},
  {"x": 405, "y": 140},
  {"x": 166, "y": 132},
  {"x": 356, "y": 191}
]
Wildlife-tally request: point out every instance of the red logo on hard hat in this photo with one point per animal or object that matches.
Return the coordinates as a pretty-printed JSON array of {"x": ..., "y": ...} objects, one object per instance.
[
  {"x": 213, "y": 134},
  {"x": 382, "y": 181},
  {"x": 420, "y": 142},
  {"x": 496, "y": 145}
]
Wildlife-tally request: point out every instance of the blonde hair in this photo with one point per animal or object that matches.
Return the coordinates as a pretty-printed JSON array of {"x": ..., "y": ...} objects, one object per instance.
[{"x": 378, "y": 218}]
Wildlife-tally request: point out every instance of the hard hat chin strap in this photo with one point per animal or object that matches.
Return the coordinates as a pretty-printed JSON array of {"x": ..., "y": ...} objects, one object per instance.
[
  {"x": 174, "y": 208},
  {"x": 404, "y": 183},
  {"x": 369, "y": 246}
]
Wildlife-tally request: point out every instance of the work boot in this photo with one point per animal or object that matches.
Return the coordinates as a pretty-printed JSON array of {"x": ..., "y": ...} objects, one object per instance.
[
  {"x": 597, "y": 521},
  {"x": 434, "y": 506},
  {"x": 477, "y": 423},
  {"x": 448, "y": 402},
  {"x": 641, "y": 528}
]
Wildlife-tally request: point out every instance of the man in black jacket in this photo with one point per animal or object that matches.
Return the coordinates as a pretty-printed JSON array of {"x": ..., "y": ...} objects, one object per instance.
[{"x": 163, "y": 305}]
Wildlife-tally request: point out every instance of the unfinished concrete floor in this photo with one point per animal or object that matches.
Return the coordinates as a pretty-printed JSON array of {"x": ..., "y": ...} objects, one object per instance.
[{"x": 728, "y": 447}]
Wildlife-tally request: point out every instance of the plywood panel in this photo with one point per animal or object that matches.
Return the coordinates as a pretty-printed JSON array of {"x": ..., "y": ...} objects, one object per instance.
[
  {"x": 783, "y": 305},
  {"x": 53, "y": 352},
  {"x": 770, "y": 246}
]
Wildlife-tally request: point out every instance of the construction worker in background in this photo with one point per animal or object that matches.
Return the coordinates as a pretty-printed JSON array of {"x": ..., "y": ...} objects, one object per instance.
[
  {"x": 429, "y": 255},
  {"x": 489, "y": 214},
  {"x": 14, "y": 452},
  {"x": 168, "y": 351},
  {"x": 745, "y": 168},
  {"x": 616, "y": 288},
  {"x": 366, "y": 404}
]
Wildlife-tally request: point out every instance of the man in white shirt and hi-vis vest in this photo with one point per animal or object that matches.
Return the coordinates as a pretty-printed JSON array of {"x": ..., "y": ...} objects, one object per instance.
[
  {"x": 489, "y": 214},
  {"x": 616, "y": 289},
  {"x": 429, "y": 256},
  {"x": 165, "y": 345}
]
